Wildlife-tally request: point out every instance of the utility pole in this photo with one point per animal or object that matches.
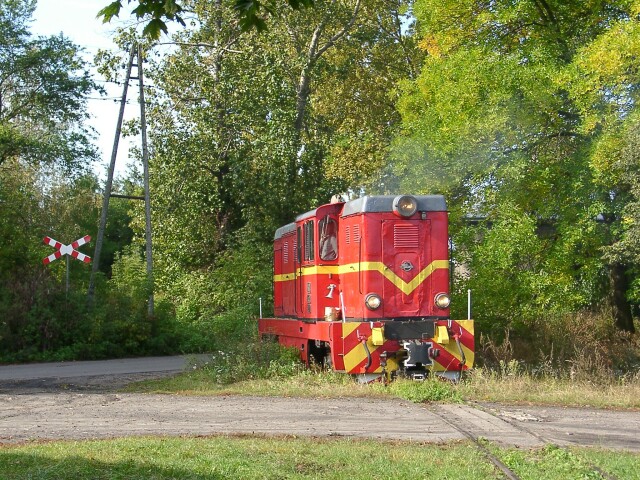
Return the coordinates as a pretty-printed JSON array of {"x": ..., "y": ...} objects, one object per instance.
[
  {"x": 136, "y": 51},
  {"x": 108, "y": 185},
  {"x": 147, "y": 197}
]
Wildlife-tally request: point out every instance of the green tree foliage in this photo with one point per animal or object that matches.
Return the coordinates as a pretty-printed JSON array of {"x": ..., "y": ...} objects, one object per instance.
[
  {"x": 40, "y": 320},
  {"x": 604, "y": 84},
  {"x": 46, "y": 190},
  {"x": 358, "y": 92},
  {"x": 216, "y": 308},
  {"x": 518, "y": 111},
  {"x": 36, "y": 314},
  {"x": 249, "y": 130},
  {"x": 43, "y": 88},
  {"x": 250, "y": 13}
]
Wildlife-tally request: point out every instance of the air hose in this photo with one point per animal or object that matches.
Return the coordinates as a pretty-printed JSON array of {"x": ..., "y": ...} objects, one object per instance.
[
  {"x": 366, "y": 349},
  {"x": 463, "y": 359}
]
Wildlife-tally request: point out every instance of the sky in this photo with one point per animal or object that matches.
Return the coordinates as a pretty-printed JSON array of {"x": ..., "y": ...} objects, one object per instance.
[{"x": 76, "y": 19}]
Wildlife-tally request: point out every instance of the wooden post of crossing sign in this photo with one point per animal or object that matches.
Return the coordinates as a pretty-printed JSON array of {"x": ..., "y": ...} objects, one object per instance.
[{"x": 69, "y": 250}]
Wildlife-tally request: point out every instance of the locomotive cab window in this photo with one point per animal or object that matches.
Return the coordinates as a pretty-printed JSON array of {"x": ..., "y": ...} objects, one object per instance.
[{"x": 328, "y": 238}]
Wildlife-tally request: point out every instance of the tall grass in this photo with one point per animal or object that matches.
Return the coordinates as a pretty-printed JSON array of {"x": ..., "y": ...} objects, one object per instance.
[
  {"x": 580, "y": 360},
  {"x": 582, "y": 347}
]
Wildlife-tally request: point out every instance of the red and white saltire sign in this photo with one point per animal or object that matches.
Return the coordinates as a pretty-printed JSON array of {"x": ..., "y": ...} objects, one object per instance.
[{"x": 66, "y": 249}]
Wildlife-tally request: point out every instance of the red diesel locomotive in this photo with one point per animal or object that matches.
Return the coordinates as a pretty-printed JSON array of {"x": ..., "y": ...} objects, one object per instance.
[{"x": 363, "y": 287}]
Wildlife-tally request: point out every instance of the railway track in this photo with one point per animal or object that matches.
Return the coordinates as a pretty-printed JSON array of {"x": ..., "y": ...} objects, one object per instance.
[
  {"x": 446, "y": 418},
  {"x": 469, "y": 418},
  {"x": 510, "y": 421}
]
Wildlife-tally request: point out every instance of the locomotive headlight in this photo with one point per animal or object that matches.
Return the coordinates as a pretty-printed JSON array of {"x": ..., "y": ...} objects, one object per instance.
[
  {"x": 442, "y": 300},
  {"x": 373, "y": 301},
  {"x": 405, "y": 205}
]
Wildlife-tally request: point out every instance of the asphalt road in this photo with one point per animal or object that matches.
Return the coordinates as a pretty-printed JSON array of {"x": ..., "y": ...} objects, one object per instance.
[{"x": 122, "y": 366}]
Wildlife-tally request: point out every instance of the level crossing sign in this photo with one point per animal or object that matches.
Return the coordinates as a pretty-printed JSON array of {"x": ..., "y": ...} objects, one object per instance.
[{"x": 66, "y": 249}]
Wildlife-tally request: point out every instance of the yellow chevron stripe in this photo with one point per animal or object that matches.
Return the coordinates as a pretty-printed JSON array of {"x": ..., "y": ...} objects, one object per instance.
[
  {"x": 469, "y": 357},
  {"x": 406, "y": 287},
  {"x": 348, "y": 328},
  {"x": 357, "y": 355}
]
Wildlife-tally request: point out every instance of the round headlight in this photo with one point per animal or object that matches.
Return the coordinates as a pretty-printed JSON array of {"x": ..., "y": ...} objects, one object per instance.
[
  {"x": 405, "y": 205},
  {"x": 442, "y": 300},
  {"x": 373, "y": 301}
]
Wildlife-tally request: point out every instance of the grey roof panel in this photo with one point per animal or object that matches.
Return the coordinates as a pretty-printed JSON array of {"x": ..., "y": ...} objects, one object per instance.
[
  {"x": 373, "y": 203},
  {"x": 306, "y": 215},
  {"x": 384, "y": 203},
  {"x": 282, "y": 231}
]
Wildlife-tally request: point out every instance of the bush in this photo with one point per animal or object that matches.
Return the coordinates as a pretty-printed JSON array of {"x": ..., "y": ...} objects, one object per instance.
[
  {"x": 120, "y": 322},
  {"x": 582, "y": 346},
  {"x": 433, "y": 389},
  {"x": 219, "y": 306},
  {"x": 255, "y": 360}
]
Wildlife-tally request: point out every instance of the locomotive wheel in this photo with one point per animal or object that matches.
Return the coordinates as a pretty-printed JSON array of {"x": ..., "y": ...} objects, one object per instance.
[
  {"x": 318, "y": 354},
  {"x": 269, "y": 338}
]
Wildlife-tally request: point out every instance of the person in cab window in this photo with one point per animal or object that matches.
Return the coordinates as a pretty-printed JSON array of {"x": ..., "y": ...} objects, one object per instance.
[{"x": 328, "y": 239}]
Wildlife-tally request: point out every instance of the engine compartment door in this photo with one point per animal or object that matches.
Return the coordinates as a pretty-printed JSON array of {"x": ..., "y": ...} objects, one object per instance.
[{"x": 405, "y": 253}]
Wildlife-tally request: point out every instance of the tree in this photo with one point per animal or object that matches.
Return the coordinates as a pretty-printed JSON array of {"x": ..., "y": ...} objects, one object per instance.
[
  {"x": 359, "y": 91},
  {"x": 247, "y": 130},
  {"x": 502, "y": 119},
  {"x": 605, "y": 85},
  {"x": 43, "y": 89},
  {"x": 46, "y": 188},
  {"x": 37, "y": 314}
]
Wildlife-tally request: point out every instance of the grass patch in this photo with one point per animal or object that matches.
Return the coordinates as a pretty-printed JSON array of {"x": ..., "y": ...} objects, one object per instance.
[
  {"x": 480, "y": 385},
  {"x": 522, "y": 387},
  {"x": 620, "y": 465},
  {"x": 246, "y": 458},
  {"x": 298, "y": 458},
  {"x": 301, "y": 382},
  {"x": 551, "y": 462},
  {"x": 431, "y": 390},
  {"x": 267, "y": 369}
]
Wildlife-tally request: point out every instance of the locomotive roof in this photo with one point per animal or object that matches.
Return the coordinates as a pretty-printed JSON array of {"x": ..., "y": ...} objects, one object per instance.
[
  {"x": 290, "y": 227},
  {"x": 372, "y": 203},
  {"x": 384, "y": 203}
]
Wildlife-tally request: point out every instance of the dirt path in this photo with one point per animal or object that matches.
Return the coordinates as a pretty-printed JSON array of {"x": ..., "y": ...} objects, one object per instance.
[
  {"x": 87, "y": 407},
  {"x": 74, "y": 415},
  {"x": 31, "y": 374}
]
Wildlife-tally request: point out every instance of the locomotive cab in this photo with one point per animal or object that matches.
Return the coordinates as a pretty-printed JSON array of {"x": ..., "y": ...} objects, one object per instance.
[
  {"x": 395, "y": 265},
  {"x": 365, "y": 285}
]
